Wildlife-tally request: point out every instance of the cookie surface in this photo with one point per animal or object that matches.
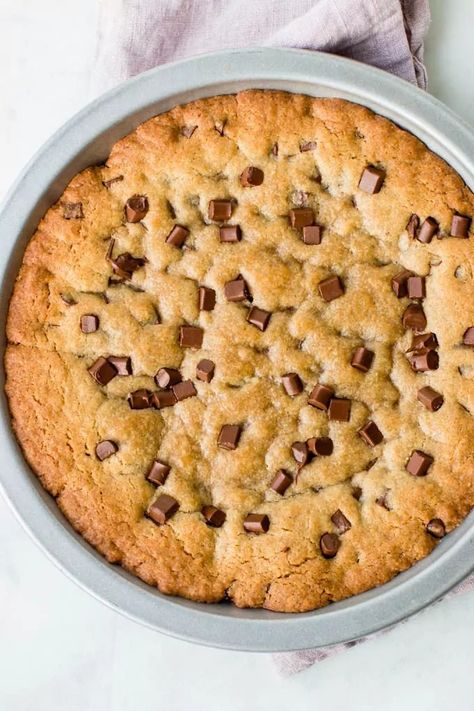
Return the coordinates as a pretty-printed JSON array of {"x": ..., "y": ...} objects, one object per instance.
[{"x": 297, "y": 274}]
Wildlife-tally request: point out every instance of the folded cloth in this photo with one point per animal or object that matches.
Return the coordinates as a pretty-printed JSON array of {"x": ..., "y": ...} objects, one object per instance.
[{"x": 136, "y": 35}]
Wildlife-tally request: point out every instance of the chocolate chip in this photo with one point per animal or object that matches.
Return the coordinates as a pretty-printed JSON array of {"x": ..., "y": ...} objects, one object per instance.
[
  {"x": 89, "y": 323},
  {"x": 416, "y": 287},
  {"x": 339, "y": 409},
  {"x": 68, "y": 300},
  {"x": 308, "y": 146},
  {"x": 158, "y": 473},
  {"x": 166, "y": 377},
  {"x": 190, "y": 336},
  {"x": 412, "y": 225},
  {"x": 340, "y": 521},
  {"x": 184, "y": 390},
  {"x": 257, "y": 523},
  {"x": 329, "y": 544},
  {"x": 187, "y": 131},
  {"x": 301, "y": 217},
  {"x": 436, "y": 528},
  {"x": 414, "y": 317},
  {"x": 213, "y": 516},
  {"x": 423, "y": 341},
  {"x": 419, "y": 463},
  {"x": 371, "y": 434},
  {"x": 423, "y": 361},
  {"x": 362, "y": 359},
  {"x": 164, "y": 399},
  {"x": 108, "y": 183},
  {"x": 300, "y": 453},
  {"x": 468, "y": 337},
  {"x": 123, "y": 364},
  {"x": 383, "y": 501},
  {"x": 281, "y": 481},
  {"x": 105, "y": 449},
  {"x": 125, "y": 265},
  {"x": 230, "y": 233},
  {"x": 258, "y": 317},
  {"x": 102, "y": 371},
  {"x": 320, "y": 446},
  {"x": 431, "y": 399},
  {"x": 460, "y": 226},
  {"x": 356, "y": 492},
  {"x": 251, "y": 176},
  {"x": 292, "y": 384},
  {"x": 205, "y": 370},
  {"x": 136, "y": 208},
  {"x": 237, "y": 290},
  {"x": 229, "y": 437},
  {"x": 312, "y": 234},
  {"x": 139, "y": 399},
  {"x": 220, "y": 210},
  {"x": 400, "y": 283},
  {"x": 206, "y": 298},
  {"x": 72, "y": 211},
  {"x": 427, "y": 230},
  {"x": 320, "y": 396},
  {"x": 177, "y": 236},
  {"x": 331, "y": 288},
  {"x": 372, "y": 179},
  {"x": 163, "y": 509}
]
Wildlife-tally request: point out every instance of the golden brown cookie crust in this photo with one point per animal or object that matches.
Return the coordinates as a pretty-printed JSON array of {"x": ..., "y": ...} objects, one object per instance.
[{"x": 59, "y": 413}]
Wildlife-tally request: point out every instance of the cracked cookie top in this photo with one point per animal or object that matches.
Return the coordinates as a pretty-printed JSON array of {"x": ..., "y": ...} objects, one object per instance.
[{"x": 240, "y": 353}]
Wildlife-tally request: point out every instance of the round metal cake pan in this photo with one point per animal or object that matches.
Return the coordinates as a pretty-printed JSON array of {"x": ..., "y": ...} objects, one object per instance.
[{"x": 86, "y": 140}]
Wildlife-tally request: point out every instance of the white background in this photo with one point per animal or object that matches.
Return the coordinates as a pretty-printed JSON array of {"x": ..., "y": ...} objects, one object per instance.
[{"x": 61, "y": 649}]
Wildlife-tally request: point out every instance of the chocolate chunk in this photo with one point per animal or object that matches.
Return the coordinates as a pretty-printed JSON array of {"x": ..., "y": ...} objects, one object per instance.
[
  {"x": 72, "y": 211},
  {"x": 423, "y": 361},
  {"x": 206, "y": 298},
  {"x": 177, "y": 236},
  {"x": 300, "y": 453},
  {"x": 102, "y": 371},
  {"x": 105, "y": 449},
  {"x": 320, "y": 396},
  {"x": 468, "y": 337},
  {"x": 320, "y": 446},
  {"x": 237, "y": 290},
  {"x": 108, "y": 183},
  {"x": 362, "y": 359},
  {"x": 220, "y": 210},
  {"x": 163, "y": 509},
  {"x": 167, "y": 377},
  {"x": 68, "y": 300},
  {"x": 258, "y": 317},
  {"x": 312, "y": 234},
  {"x": 136, "y": 208},
  {"x": 460, "y": 226},
  {"x": 339, "y": 409},
  {"x": 423, "y": 341},
  {"x": 158, "y": 473},
  {"x": 331, "y": 288},
  {"x": 190, "y": 336},
  {"x": 125, "y": 265},
  {"x": 412, "y": 225},
  {"x": 257, "y": 523},
  {"x": 213, "y": 516},
  {"x": 372, "y": 179},
  {"x": 371, "y": 434},
  {"x": 139, "y": 399},
  {"x": 414, "y": 317},
  {"x": 400, "y": 283},
  {"x": 301, "y": 217},
  {"x": 329, "y": 544},
  {"x": 383, "y": 501},
  {"x": 436, "y": 528},
  {"x": 427, "y": 230},
  {"x": 205, "y": 370},
  {"x": 123, "y": 364},
  {"x": 431, "y": 399},
  {"x": 230, "y": 233},
  {"x": 340, "y": 521},
  {"x": 292, "y": 384},
  {"x": 251, "y": 176},
  {"x": 89, "y": 323},
  {"x": 167, "y": 398},
  {"x": 281, "y": 481},
  {"x": 184, "y": 390},
  {"x": 356, "y": 492},
  {"x": 187, "y": 131},
  {"x": 308, "y": 146},
  {"x": 419, "y": 463},
  {"x": 229, "y": 437},
  {"x": 416, "y": 287}
]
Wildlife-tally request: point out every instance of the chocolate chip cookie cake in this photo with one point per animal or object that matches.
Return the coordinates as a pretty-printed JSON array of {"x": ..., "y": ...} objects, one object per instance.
[{"x": 241, "y": 353}]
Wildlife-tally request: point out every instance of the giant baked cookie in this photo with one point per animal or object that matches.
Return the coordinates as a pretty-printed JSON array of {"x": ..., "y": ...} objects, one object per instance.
[{"x": 241, "y": 353}]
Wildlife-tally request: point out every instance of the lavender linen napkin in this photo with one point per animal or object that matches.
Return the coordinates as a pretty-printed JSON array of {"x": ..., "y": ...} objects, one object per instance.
[{"x": 136, "y": 35}]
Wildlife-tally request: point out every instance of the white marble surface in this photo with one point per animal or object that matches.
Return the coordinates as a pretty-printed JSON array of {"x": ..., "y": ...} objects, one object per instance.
[{"x": 59, "y": 648}]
